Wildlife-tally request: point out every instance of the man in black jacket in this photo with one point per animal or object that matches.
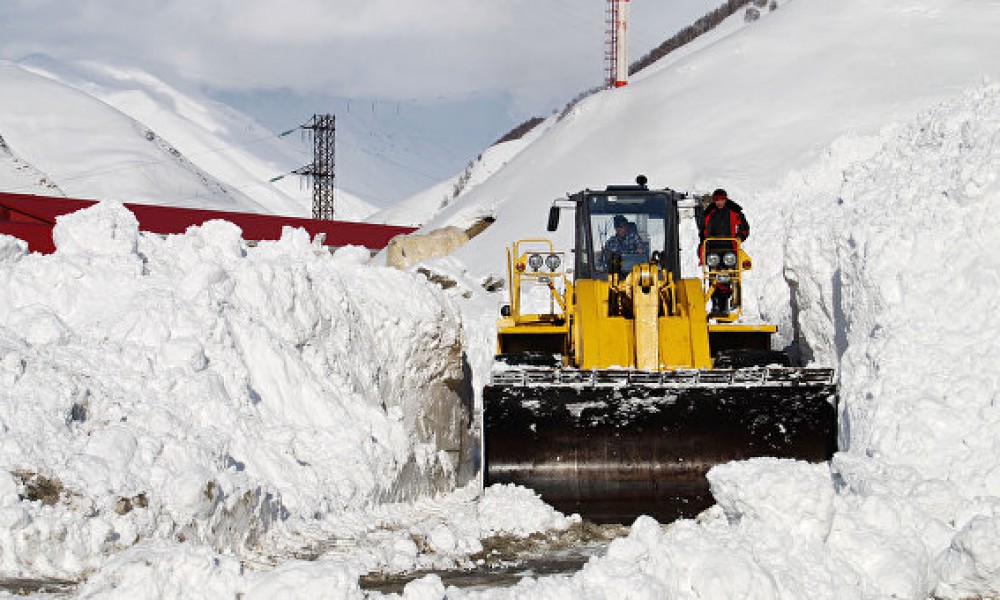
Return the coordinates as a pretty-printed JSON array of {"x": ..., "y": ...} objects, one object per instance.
[{"x": 723, "y": 218}]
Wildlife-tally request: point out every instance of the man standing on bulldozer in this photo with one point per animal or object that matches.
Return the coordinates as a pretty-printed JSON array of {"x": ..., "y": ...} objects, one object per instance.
[{"x": 723, "y": 218}]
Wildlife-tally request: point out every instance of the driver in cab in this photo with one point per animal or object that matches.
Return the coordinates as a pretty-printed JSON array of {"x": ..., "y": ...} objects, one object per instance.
[{"x": 625, "y": 240}]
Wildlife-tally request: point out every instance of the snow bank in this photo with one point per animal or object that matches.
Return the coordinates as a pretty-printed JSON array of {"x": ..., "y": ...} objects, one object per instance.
[
  {"x": 910, "y": 292},
  {"x": 194, "y": 388}
]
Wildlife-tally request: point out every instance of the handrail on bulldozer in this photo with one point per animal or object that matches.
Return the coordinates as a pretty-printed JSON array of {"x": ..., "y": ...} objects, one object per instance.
[
  {"x": 542, "y": 266},
  {"x": 726, "y": 269}
]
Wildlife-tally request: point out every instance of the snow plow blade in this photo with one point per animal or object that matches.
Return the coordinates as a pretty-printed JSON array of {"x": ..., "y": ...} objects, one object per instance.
[{"x": 613, "y": 445}]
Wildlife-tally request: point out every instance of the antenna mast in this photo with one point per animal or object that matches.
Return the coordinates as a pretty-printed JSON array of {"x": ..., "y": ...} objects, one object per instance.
[{"x": 616, "y": 54}]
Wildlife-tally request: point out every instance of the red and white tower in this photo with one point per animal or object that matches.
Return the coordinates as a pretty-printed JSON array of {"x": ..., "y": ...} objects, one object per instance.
[{"x": 616, "y": 55}]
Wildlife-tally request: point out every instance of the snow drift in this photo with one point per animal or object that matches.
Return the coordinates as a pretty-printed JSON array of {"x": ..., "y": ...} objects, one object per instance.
[{"x": 192, "y": 387}]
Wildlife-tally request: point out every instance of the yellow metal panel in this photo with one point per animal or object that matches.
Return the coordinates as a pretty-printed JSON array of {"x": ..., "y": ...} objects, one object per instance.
[
  {"x": 692, "y": 300},
  {"x": 584, "y": 310},
  {"x": 649, "y": 341},
  {"x": 675, "y": 343},
  {"x": 645, "y": 306},
  {"x": 616, "y": 348},
  {"x": 603, "y": 341}
]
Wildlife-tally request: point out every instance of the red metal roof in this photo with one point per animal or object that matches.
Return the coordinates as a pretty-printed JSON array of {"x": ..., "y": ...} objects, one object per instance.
[{"x": 31, "y": 218}]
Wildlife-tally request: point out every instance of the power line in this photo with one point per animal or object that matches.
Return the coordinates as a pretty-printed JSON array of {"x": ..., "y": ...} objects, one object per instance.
[{"x": 139, "y": 164}]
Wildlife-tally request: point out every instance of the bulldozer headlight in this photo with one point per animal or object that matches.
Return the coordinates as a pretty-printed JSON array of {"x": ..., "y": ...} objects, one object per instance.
[
  {"x": 535, "y": 262},
  {"x": 723, "y": 278},
  {"x": 729, "y": 259},
  {"x": 553, "y": 262},
  {"x": 712, "y": 260}
]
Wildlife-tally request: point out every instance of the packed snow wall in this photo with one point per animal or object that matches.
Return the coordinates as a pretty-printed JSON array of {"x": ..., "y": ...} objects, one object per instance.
[
  {"x": 195, "y": 387},
  {"x": 886, "y": 245},
  {"x": 891, "y": 270}
]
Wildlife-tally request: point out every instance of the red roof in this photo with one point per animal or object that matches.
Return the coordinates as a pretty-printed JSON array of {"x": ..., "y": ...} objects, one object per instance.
[{"x": 31, "y": 218}]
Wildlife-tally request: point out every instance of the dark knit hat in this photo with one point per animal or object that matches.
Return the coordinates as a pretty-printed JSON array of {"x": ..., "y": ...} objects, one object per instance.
[{"x": 719, "y": 193}]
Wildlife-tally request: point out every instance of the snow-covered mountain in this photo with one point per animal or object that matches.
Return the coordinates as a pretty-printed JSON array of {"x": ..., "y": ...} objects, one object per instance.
[
  {"x": 93, "y": 131},
  {"x": 862, "y": 139},
  {"x": 746, "y": 110}
]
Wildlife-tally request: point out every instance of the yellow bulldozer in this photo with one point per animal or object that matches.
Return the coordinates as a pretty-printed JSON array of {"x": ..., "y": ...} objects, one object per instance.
[{"x": 614, "y": 390}]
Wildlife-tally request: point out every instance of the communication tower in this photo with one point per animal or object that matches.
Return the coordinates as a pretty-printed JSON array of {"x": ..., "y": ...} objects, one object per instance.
[{"x": 616, "y": 54}]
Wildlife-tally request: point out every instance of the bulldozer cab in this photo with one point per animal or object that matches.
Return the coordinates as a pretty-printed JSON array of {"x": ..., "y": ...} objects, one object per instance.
[{"x": 649, "y": 232}]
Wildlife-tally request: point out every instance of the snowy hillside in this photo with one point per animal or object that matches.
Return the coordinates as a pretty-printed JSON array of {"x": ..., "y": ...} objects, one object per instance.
[
  {"x": 91, "y": 131},
  {"x": 746, "y": 110},
  {"x": 237, "y": 420},
  {"x": 19, "y": 175},
  {"x": 421, "y": 208}
]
